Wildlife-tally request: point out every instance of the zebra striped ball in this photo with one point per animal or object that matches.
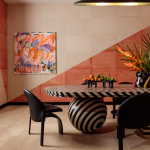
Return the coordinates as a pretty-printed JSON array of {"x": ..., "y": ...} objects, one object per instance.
[{"x": 87, "y": 114}]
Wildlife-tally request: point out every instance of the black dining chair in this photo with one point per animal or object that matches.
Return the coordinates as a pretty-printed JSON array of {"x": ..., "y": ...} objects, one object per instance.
[
  {"x": 133, "y": 113},
  {"x": 39, "y": 111},
  {"x": 118, "y": 100}
]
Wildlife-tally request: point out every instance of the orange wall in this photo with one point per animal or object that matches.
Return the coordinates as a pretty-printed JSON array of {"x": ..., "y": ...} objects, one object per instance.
[{"x": 3, "y": 52}]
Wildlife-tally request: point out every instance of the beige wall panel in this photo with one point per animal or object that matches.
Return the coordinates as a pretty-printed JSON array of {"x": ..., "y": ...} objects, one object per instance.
[
  {"x": 124, "y": 11},
  {"x": 102, "y": 42},
  {"x": 53, "y": 25},
  {"x": 11, "y": 77},
  {"x": 145, "y": 22},
  {"x": 11, "y": 91},
  {"x": 33, "y": 80},
  {"x": 3, "y": 98},
  {"x": 53, "y": 10},
  {"x": 104, "y": 12},
  {"x": 10, "y": 43},
  {"x": 61, "y": 60},
  {"x": 28, "y": 25},
  {"x": 122, "y": 37},
  {"x": 46, "y": 77},
  {"x": 146, "y": 11},
  {"x": 73, "y": 11},
  {"x": 128, "y": 25},
  {"x": 10, "y": 61},
  {"x": 28, "y": 11},
  {"x": 74, "y": 58},
  {"x": 78, "y": 26},
  {"x": 19, "y": 89},
  {"x": 61, "y": 43},
  {"x": 78, "y": 43},
  {"x": 104, "y": 26}
]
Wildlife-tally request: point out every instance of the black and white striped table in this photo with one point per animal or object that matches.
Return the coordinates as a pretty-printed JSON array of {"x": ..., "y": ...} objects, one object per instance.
[
  {"x": 81, "y": 91},
  {"x": 87, "y": 111}
]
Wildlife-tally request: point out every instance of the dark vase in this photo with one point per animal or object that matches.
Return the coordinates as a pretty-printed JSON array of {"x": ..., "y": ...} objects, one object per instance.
[{"x": 141, "y": 79}]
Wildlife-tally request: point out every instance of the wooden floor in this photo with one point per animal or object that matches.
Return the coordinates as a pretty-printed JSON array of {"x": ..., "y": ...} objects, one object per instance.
[{"x": 14, "y": 135}]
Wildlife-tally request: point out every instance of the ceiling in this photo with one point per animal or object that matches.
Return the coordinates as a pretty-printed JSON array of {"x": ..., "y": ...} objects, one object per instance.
[{"x": 38, "y": 1}]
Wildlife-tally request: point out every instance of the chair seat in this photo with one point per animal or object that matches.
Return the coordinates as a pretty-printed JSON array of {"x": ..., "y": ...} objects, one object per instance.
[
  {"x": 51, "y": 108},
  {"x": 114, "y": 112}
]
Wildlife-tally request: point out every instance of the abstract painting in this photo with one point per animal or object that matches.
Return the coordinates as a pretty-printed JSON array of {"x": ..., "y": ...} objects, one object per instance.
[{"x": 35, "y": 53}]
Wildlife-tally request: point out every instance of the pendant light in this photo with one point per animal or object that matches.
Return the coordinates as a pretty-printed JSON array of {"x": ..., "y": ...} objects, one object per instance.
[{"x": 112, "y": 2}]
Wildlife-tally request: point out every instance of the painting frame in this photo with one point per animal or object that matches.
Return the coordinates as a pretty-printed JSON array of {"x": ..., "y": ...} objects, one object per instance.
[{"x": 35, "y": 53}]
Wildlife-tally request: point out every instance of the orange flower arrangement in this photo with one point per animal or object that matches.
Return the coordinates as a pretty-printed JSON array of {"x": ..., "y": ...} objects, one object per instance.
[{"x": 139, "y": 61}]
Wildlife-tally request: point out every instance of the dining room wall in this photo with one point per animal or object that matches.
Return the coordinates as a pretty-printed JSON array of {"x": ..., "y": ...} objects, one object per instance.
[
  {"x": 85, "y": 37},
  {"x": 3, "y": 53}
]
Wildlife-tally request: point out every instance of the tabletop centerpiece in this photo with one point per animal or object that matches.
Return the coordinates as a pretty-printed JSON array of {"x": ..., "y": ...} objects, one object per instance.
[
  {"x": 140, "y": 61},
  {"x": 99, "y": 78}
]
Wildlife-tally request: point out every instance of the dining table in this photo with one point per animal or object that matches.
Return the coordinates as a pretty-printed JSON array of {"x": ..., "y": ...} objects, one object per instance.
[{"x": 87, "y": 111}]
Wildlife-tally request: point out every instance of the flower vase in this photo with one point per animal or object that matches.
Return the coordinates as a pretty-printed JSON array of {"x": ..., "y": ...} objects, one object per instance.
[{"x": 142, "y": 79}]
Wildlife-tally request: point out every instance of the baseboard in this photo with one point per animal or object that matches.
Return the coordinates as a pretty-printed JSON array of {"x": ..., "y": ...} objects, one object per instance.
[{"x": 4, "y": 105}]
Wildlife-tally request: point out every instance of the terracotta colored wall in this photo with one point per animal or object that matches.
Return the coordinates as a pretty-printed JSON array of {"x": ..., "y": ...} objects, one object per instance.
[
  {"x": 85, "y": 36},
  {"x": 3, "y": 52}
]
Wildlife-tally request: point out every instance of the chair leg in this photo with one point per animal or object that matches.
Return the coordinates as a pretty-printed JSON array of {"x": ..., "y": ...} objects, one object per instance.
[
  {"x": 42, "y": 133},
  {"x": 123, "y": 133},
  {"x": 60, "y": 125},
  {"x": 29, "y": 124},
  {"x": 114, "y": 106},
  {"x": 120, "y": 137}
]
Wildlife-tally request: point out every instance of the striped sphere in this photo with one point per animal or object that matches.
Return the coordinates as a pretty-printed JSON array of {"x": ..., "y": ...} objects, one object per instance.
[{"x": 87, "y": 114}]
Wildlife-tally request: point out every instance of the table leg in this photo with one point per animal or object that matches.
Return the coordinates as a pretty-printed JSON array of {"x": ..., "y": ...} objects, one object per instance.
[{"x": 87, "y": 114}]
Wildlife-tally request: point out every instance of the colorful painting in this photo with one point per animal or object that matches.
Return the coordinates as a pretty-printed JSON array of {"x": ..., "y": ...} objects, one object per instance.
[{"x": 35, "y": 53}]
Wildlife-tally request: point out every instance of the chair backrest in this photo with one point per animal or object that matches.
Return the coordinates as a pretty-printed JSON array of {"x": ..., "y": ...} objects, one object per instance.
[
  {"x": 125, "y": 83},
  {"x": 134, "y": 112},
  {"x": 37, "y": 108}
]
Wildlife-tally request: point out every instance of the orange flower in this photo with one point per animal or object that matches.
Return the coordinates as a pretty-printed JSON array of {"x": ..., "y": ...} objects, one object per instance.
[
  {"x": 128, "y": 54},
  {"x": 135, "y": 63},
  {"x": 140, "y": 69},
  {"x": 135, "y": 56},
  {"x": 121, "y": 54},
  {"x": 120, "y": 49},
  {"x": 134, "y": 69},
  {"x": 130, "y": 58},
  {"x": 128, "y": 64}
]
